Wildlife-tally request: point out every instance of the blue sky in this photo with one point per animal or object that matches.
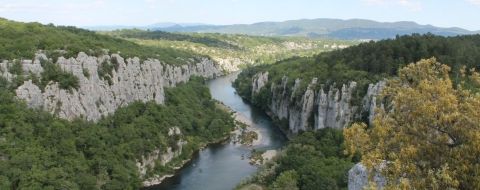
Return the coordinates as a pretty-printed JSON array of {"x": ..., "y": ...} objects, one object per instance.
[{"x": 445, "y": 13}]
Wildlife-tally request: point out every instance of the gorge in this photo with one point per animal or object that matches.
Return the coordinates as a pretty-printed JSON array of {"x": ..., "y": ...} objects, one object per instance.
[
  {"x": 226, "y": 161},
  {"x": 141, "y": 109}
]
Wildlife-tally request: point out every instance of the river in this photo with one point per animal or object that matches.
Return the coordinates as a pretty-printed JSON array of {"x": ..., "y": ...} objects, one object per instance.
[{"x": 220, "y": 166}]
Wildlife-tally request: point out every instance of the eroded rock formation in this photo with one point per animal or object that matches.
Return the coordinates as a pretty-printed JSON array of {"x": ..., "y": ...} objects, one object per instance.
[
  {"x": 163, "y": 157},
  {"x": 311, "y": 109},
  {"x": 133, "y": 80}
]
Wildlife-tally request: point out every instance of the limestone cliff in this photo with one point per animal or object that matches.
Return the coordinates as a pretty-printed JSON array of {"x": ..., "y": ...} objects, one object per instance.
[
  {"x": 311, "y": 109},
  {"x": 149, "y": 161},
  {"x": 133, "y": 80},
  {"x": 358, "y": 178}
]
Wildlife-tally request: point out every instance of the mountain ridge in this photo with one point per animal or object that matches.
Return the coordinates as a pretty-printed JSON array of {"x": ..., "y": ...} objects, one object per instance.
[
  {"x": 314, "y": 28},
  {"x": 329, "y": 28}
]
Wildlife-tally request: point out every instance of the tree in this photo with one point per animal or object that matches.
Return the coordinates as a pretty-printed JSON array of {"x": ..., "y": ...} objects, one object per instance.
[
  {"x": 286, "y": 181},
  {"x": 428, "y": 136}
]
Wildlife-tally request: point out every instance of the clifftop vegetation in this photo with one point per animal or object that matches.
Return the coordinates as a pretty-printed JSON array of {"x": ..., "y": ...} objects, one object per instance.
[
  {"x": 369, "y": 62},
  {"x": 21, "y": 40},
  {"x": 242, "y": 49}
]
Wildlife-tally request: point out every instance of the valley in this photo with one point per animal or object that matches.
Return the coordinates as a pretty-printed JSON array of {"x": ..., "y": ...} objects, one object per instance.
[
  {"x": 244, "y": 103},
  {"x": 233, "y": 51}
]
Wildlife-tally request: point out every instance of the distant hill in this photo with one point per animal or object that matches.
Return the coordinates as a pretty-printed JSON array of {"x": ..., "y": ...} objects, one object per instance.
[
  {"x": 156, "y": 26},
  {"x": 332, "y": 28}
]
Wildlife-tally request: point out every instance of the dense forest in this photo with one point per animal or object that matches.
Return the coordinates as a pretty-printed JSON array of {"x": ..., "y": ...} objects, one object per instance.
[
  {"x": 41, "y": 151},
  {"x": 22, "y": 40}
]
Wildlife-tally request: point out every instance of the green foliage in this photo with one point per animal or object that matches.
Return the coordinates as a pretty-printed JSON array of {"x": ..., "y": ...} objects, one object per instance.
[
  {"x": 53, "y": 72},
  {"x": 22, "y": 40},
  {"x": 311, "y": 160},
  {"x": 287, "y": 180},
  {"x": 160, "y": 35},
  {"x": 387, "y": 56},
  {"x": 40, "y": 151},
  {"x": 86, "y": 73},
  {"x": 16, "y": 68},
  {"x": 106, "y": 69},
  {"x": 237, "y": 48}
]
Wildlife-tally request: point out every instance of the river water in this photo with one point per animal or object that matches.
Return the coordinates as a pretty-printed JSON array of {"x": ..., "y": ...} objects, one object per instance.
[{"x": 221, "y": 166}]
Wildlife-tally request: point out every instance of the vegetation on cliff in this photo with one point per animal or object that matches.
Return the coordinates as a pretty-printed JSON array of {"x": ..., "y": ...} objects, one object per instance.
[
  {"x": 40, "y": 151},
  {"x": 21, "y": 40}
]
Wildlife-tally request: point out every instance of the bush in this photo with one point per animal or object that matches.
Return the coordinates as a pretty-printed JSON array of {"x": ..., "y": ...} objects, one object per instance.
[{"x": 53, "y": 72}]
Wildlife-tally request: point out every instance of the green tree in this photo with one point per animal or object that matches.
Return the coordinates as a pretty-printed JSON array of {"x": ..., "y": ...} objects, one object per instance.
[{"x": 287, "y": 180}]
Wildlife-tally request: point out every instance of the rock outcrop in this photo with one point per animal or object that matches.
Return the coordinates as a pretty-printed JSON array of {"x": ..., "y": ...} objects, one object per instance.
[
  {"x": 133, "y": 80},
  {"x": 259, "y": 81},
  {"x": 231, "y": 64},
  {"x": 370, "y": 100},
  {"x": 149, "y": 161},
  {"x": 358, "y": 178},
  {"x": 334, "y": 107},
  {"x": 309, "y": 109}
]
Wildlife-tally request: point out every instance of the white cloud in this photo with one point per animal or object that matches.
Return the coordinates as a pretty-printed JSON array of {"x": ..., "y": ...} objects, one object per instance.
[
  {"x": 412, "y": 5},
  {"x": 475, "y": 2}
]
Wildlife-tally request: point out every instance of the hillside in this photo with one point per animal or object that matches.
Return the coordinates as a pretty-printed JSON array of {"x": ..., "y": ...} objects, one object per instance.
[
  {"x": 23, "y": 40},
  {"x": 230, "y": 50},
  {"x": 326, "y": 28}
]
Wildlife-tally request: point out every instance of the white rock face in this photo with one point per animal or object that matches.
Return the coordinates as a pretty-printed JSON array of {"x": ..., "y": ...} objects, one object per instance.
[
  {"x": 358, "y": 178},
  {"x": 334, "y": 109},
  {"x": 298, "y": 119},
  {"x": 31, "y": 94},
  {"x": 231, "y": 64},
  {"x": 280, "y": 99},
  {"x": 370, "y": 100},
  {"x": 329, "y": 108},
  {"x": 134, "y": 80},
  {"x": 4, "y": 71},
  {"x": 259, "y": 81}
]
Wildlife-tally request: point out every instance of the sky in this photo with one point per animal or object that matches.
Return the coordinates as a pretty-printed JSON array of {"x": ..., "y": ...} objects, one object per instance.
[{"x": 443, "y": 13}]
